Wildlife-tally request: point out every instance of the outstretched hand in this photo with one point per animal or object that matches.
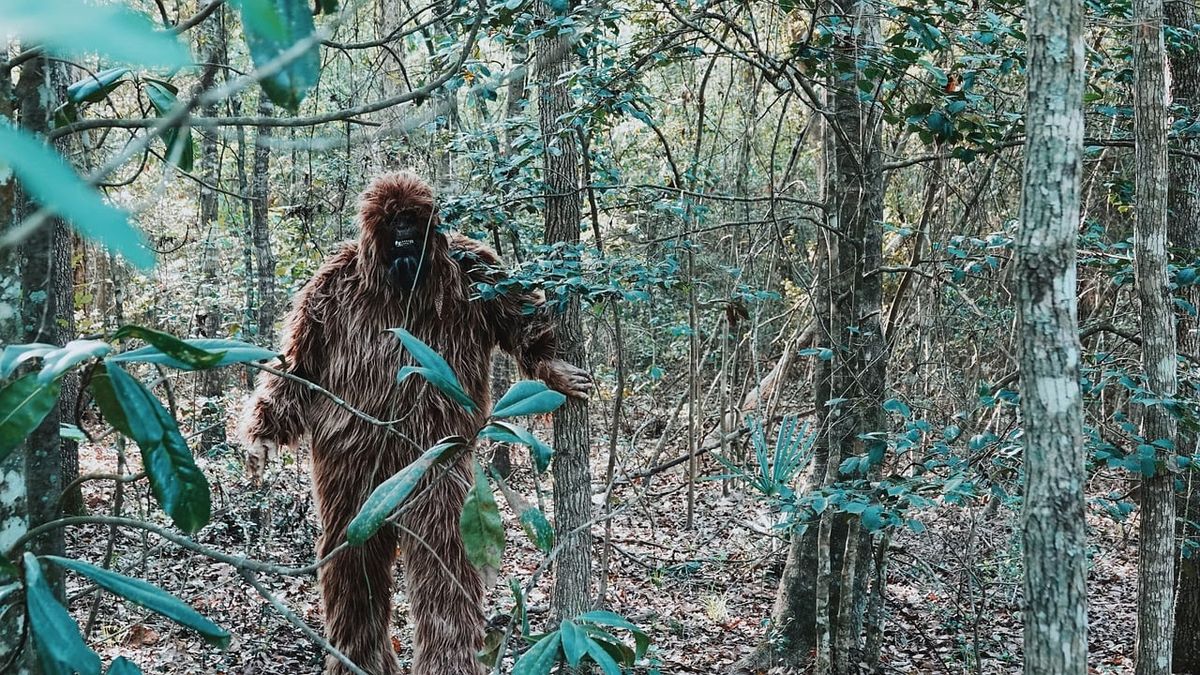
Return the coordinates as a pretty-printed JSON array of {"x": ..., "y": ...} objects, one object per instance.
[{"x": 568, "y": 379}]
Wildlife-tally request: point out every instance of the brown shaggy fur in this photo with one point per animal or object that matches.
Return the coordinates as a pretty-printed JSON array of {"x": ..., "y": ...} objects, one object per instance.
[{"x": 337, "y": 336}]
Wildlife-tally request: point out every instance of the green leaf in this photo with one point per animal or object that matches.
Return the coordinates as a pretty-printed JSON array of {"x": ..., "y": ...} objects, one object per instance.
[
  {"x": 64, "y": 358},
  {"x": 392, "y": 492},
  {"x": 106, "y": 399},
  {"x": 56, "y": 639},
  {"x": 481, "y": 527},
  {"x": 533, "y": 522},
  {"x": 433, "y": 368},
  {"x": 602, "y": 658},
  {"x": 149, "y": 596},
  {"x": 528, "y": 397},
  {"x": 94, "y": 88},
  {"x": 574, "y": 642},
  {"x": 193, "y": 357},
  {"x": 70, "y": 432},
  {"x": 55, "y": 186},
  {"x": 9, "y": 571},
  {"x": 540, "y": 658},
  {"x": 24, "y": 403},
  {"x": 897, "y": 406},
  {"x": 272, "y": 27},
  {"x": 14, "y": 355},
  {"x": 448, "y": 387},
  {"x": 178, "y": 484},
  {"x": 78, "y": 28},
  {"x": 123, "y": 666},
  {"x": 232, "y": 351},
  {"x": 619, "y": 651},
  {"x": 605, "y": 618},
  {"x": 504, "y": 432},
  {"x": 178, "y": 139}
]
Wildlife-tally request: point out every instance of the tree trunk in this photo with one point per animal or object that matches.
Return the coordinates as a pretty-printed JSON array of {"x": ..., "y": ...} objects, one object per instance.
[
  {"x": 1184, "y": 237},
  {"x": 572, "y": 472},
  {"x": 1053, "y": 524},
  {"x": 48, "y": 314},
  {"x": 1156, "y": 533},
  {"x": 260, "y": 197},
  {"x": 212, "y": 381},
  {"x": 14, "y": 521}
]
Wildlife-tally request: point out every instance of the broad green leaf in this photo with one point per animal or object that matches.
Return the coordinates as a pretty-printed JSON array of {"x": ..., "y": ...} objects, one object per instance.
[
  {"x": 94, "y": 88},
  {"x": 574, "y": 642},
  {"x": 604, "y": 618},
  {"x": 106, "y": 399},
  {"x": 392, "y": 492},
  {"x": 193, "y": 357},
  {"x": 449, "y": 387},
  {"x": 80, "y": 28},
  {"x": 602, "y": 658},
  {"x": 232, "y": 351},
  {"x": 504, "y": 432},
  {"x": 178, "y": 484},
  {"x": 178, "y": 139},
  {"x": 149, "y": 596},
  {"x": 528, "y": 397},
  {"x": 433, "y": 368},
  {"x": 14, "y": 355},
  {"x": 24, "y": 403},
  {"x": 539, "y": 659},
  {"x": 481, "y": 527},
  {"x": 272, "y": 27},
  {"x": 533, "y": 522},
  {"x": 123, "y": 666},
  {"x": 55, "y": 186},
  {"x": 619, "y": 651},
  {"x": 60, "y": 648},
  {"x": 64, "y": 358}
]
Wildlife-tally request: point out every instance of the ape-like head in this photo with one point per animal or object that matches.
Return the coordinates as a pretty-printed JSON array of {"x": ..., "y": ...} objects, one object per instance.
[{"x": 400, "y": 240}]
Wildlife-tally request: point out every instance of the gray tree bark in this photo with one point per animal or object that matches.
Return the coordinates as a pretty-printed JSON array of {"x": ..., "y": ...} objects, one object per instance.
[
  {"x": 572, "y": 472},
  {"x": 260, "y": 192},
  {"x": 1053, "y": 525},
  {"x": 1183, "y": 233},
  {"x": 212, "y": 381},
  {"x": 1156, "y": 531}
]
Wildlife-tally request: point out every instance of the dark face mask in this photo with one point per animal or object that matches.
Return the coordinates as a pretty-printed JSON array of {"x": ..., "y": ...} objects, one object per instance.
[{"x": 409, "y": 260}]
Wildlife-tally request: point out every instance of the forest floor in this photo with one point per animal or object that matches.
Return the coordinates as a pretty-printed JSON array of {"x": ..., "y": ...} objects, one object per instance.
[{"x": 702, "y": 593}]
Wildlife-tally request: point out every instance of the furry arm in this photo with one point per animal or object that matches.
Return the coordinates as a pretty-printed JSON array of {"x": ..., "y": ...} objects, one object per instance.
[
  {"x": 276, "y": 412},
  {"x": 521, "y": 321}
]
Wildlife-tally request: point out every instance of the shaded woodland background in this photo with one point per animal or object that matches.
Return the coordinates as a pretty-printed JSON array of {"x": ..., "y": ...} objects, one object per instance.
[{"x": 785, "y": 236}]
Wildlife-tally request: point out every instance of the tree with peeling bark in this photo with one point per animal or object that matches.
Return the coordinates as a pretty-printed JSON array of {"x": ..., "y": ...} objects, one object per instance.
[
  {"x": 1156, "y": 531},
  {"x": 1053, "y": 514}
]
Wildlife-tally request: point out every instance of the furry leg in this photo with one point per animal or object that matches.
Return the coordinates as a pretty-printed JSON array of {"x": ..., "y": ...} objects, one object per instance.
[
  {"x": 356, "y": 585},
  {"x": 444, "y": 589}
]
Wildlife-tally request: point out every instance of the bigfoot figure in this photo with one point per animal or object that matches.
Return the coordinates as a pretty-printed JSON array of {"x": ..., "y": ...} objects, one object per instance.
[{"x": 402, "y": 272}]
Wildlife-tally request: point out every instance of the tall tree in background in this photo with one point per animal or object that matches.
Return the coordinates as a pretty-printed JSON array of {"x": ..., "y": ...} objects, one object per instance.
[
  {"x": 209, "y": 314},
  {"x": 47, "y": 311},
  {"x": 1183, "y": 235},
  {"x": 264, "y": 257},
  {"x": 1053, "y": 523},
  {"x": 1156, "y": 534},
  {"x": 572, "y": 473}
]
